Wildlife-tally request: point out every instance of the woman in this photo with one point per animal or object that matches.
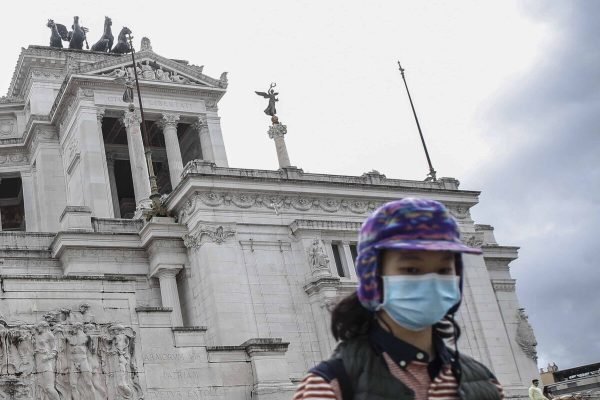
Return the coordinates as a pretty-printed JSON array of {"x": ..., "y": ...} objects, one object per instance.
[{"x": 393, "y": 329}]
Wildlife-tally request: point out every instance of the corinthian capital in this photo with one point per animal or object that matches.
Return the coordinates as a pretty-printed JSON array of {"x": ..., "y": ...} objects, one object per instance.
[
  {"x": 132, "y": 118},
  {"x": 277, "y": 130},
  {"x": 168, "y": 120},
  {"x": 100, "y": 113},
  {"x": 201, "y": 123}
]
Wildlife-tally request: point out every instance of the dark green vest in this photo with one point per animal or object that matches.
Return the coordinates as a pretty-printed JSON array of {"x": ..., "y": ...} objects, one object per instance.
[{"x": 370, "y": 379}]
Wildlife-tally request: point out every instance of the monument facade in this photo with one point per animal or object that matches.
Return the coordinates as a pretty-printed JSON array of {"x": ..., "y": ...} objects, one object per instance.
[{"x": 226, "y": 297}]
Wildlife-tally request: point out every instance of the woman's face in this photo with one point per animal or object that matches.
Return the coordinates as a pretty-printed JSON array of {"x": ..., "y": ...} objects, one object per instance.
[{"x": 415, "y": 262}]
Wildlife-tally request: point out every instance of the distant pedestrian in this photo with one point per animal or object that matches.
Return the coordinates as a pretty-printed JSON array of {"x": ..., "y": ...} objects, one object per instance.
[
  {"x": 392, "y": 329},
  {"x": 535, "y": 393}
]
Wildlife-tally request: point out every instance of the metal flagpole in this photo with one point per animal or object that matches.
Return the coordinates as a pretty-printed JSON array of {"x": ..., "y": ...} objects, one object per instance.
[
  {"x": 431, "y": 175},
  {"x": 154, "y": 195}
]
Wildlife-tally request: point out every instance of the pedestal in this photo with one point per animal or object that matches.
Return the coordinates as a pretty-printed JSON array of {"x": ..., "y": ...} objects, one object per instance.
[
  {"x": 277, "y": 132},
  {"x": 169, "y": 293}
]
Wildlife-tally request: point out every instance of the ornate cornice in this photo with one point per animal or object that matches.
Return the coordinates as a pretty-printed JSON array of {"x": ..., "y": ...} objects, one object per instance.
[
  {"x": 13, "y": 157},
  {"x": 148, "y": 55},
  {"x": 276, "y": 202},
  {"x": 323, "y": 282},
  {"x": 309, "y": 224},
  {"x": 504, "y": 285}
]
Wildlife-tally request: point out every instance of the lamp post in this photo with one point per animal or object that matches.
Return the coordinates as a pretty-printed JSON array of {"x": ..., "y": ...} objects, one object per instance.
[{"x": 154, "y": 195}]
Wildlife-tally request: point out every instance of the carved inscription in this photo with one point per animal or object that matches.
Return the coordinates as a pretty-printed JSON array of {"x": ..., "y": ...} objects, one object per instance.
[
  {"x": 157, "y": 358},
  {"x": 183, "y": 394}
]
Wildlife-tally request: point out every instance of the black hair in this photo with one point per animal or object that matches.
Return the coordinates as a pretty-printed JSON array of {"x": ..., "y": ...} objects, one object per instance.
[{"x": 535, "y": 380}]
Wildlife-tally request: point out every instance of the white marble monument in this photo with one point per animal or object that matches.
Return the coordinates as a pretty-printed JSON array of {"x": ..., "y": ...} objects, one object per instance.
[{"x": 228, "y": 298}]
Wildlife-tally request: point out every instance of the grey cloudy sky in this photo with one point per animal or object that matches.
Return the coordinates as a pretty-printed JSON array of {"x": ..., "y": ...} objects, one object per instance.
[{"x": 507, "y": 93}]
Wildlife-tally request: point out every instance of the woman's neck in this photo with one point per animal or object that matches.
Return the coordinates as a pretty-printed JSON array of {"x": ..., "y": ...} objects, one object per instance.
[{"x": 420, "y": 339}]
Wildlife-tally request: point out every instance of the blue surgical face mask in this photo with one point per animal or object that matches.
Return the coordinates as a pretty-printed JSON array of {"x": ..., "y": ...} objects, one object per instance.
[{"x": 416, "y": 302}]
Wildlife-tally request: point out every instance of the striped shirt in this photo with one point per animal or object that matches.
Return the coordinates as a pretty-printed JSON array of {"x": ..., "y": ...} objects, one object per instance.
[{"x": 405, "y": 362}]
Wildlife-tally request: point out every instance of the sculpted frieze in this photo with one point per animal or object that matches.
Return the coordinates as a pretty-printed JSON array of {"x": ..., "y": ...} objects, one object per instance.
[
  {"x": 68, "y": 355},
  {"x": 275, "y": 202},
  {"x": 7, "y": 127},
  {"x": 14, "y": 158}
]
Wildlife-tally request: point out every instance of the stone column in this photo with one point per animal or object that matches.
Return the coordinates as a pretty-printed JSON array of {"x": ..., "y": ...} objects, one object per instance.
[
  {"x": 169, "y": 293},
  {"x": 29, "y": 202},
  {"x": 110, "y": 163},
  {"x": 205, "y": 143},
  {"x": 277, "y": 132},
  {"x": 349, "y": 260},
  {"x": 217, "y": 145},
  {"x": 137, "y": 158},
  {"x": 168, "y": 123}
]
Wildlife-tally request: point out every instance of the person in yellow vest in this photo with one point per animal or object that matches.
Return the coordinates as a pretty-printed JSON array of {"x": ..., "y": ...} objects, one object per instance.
[{"x": 535, "y": 393}]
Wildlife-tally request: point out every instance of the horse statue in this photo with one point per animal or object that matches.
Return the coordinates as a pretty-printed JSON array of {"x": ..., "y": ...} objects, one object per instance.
[
  {"x": 77, "y": 36},
  {"x": 106, "y": 41},
  {"x": 122, "y": 46},
  {"x": 59, "y": 33}
]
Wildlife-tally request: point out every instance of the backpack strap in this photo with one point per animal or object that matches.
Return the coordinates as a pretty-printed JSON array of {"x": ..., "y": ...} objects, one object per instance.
[{"x": 334, "y": 369}]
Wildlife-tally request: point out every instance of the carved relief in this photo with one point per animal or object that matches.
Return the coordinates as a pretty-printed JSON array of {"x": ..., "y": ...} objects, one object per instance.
[
  {"x": 151, "y": 72},
  {"x": 460, "y": 211},
  {"x": 216, "y": 235},
  {"x": 317, "y": 259},
  {"x": 273, "y": 202},
  {"x": 525, "y": 337},
  {"x": 73, "y": 154},
  {"x": 7, "y": 127},
  {"x": 473, "y": 240},
  {"x": 13, "y": 158},
  {"x": 62, "y": 357}
]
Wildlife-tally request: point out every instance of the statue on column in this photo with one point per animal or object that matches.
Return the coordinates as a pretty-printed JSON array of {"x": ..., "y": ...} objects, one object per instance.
[
  {"x": 271, "y": 95},
  {"x": 45, "y": 351}
]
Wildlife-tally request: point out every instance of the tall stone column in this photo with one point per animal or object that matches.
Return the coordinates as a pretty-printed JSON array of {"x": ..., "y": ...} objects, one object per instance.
[
  {"x": 110, "y": 163},
  {"x": 277, "y": 132},
  {"x": 216, "y": 139},
  {"x": 137, "y": 158},
  {"x": 205, "y": 143},
  {"x": 168, "y": 123},
  {"x": 169, "y": 292},
  {"x": 29, "y": 202}
]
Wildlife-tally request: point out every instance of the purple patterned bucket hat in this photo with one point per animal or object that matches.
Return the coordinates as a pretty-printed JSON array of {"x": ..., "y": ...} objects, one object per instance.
[{"x": 407, "y": 224}]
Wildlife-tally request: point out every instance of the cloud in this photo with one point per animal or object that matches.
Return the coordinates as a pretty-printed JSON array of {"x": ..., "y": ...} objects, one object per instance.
[{"x": 541, "y": 186}]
